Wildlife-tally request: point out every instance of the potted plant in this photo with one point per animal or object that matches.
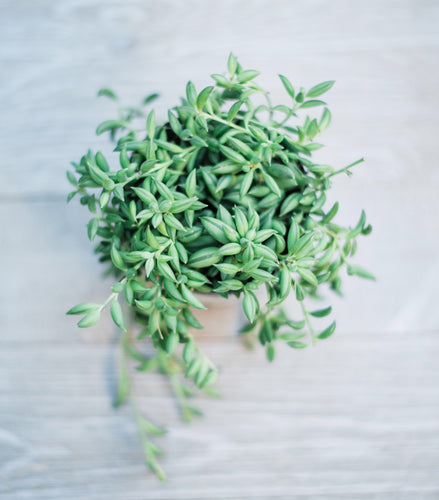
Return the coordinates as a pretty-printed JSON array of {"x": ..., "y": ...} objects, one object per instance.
[{"x": 222, "y": 199}]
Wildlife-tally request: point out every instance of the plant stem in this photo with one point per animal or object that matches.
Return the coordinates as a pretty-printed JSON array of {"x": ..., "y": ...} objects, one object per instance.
[
  {"x": 308, "y": 322},
  {"x": 345, "y": 168},
  {"x": 149, "y": 449},
  {"x": 165, "y": 366},
  {"x": 181, "y": 398}
]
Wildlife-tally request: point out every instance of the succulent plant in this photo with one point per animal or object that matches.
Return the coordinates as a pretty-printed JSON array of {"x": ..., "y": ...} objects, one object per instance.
[{"x": 223, "y": 198}]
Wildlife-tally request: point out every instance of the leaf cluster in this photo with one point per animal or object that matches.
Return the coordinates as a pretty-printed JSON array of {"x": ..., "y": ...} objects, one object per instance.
[{"x": 223, "y": 197}]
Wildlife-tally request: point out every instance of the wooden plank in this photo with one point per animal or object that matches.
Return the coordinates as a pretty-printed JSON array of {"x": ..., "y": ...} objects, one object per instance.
[
  {"x": 384, "y": 100},
  {"x": 355, "y": 416}
]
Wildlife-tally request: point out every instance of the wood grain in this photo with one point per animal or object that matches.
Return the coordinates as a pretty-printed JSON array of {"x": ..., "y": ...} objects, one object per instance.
[
  {"x": 336, "y": 420},
  {"x": 355, "y": 418}
]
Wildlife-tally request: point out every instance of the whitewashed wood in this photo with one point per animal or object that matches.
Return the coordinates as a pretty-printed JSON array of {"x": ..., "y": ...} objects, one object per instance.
[
  {"x": 332, "y": 421},
  {"x": 356, "y": 417},
  {"x": 57, "y": 54}
]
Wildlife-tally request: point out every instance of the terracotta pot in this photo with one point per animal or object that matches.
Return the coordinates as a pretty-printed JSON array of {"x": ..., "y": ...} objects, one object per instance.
[{"x": 222, "y": 317}]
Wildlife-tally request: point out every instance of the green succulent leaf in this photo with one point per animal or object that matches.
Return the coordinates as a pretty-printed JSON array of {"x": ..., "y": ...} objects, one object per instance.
[
  {"x": 297, "y": 345},
  {"x": 229, "y": 249},
  {"x": 270, "y": 352},
  {"x": 108, "y": 93},
  {"x": 191, "y": 183},
  {"x": 110, "y": 125},
  {"x": 247, "y": 75},
  {"x": 117, "y": 315},
  {"x": 191, "y": 298},
  {"x": 320, "y": 313},
  {"x": 172, "y": 342},
  {"x": 83, "y": 308},
  {"x": 149, "y": 98},
  {"x": 288, "y": 86},
  {"x": 312, "y": 104},
  {"x": 92, "y": 228},
  {"x": 320, "y": 89},
  {"x": 250, "y": 305},
  {"x": 327, "y": 332},
  {"x": 215, "y": 228},
  {"x": 233, "y": 111},
  {"x": 360, "y": 271},
  {"x": 232, "y": 64},
  {"x": 90, "y": 319},
  {"x": 203, "y": 96},
  {"x": 205, "y": 257},
  {"x": 150, "y": 125}
]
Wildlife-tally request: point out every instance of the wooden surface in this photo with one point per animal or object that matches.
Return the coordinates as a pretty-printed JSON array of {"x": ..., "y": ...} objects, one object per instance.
[{"x": 355, "y": 418}]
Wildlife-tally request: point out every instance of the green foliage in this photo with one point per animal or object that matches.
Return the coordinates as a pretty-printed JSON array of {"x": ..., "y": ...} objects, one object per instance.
[{"x": 222, "y": 198}]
